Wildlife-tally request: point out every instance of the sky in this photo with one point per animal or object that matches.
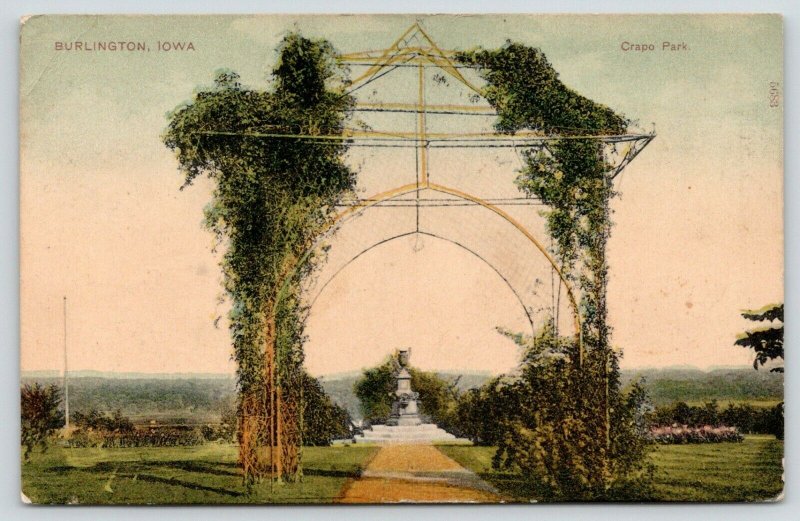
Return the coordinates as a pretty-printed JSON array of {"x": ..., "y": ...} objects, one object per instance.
[{"x": 698, "y": 230}]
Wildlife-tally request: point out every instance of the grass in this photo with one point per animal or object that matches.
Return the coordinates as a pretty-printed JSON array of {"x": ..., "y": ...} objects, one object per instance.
[
  {"x": 765, "y": 403},
  {"x": 719, "y": 472},
  {"x": 201, "y": 474},
  {"x": 747, "y": 471}
]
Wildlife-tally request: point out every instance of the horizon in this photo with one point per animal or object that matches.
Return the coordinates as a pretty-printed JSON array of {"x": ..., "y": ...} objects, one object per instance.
[{"x": 89, "y": 373}]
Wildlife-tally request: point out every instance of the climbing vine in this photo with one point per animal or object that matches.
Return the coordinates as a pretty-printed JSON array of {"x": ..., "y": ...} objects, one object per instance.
[
  {"x": 273, "y": 195},
  {"x": 570, "y": 176}
]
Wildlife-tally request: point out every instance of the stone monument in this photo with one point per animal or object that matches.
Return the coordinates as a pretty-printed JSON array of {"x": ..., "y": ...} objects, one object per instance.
[
  {"x": 404, "y": 424},
  {"x": 405, "y": 408}
]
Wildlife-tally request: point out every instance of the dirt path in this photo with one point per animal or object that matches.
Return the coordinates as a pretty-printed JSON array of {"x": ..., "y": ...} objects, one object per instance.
[{"x": 417, "y": 473}]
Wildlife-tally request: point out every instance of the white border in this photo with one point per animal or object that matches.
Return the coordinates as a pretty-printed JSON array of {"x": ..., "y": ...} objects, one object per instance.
[{"x": 11, "y": 507}]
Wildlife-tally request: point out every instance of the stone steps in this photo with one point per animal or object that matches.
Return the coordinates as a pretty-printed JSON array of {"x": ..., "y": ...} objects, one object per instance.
[{"x": 425, "y": 433}]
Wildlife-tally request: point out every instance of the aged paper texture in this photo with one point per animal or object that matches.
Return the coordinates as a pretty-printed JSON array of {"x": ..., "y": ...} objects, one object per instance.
[{"x": 396, "y": 258}]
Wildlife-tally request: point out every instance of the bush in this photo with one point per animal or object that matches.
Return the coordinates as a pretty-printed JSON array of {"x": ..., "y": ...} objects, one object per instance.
[
  {"x": 322, "y": 420},
  {"x": 438, "y": 398},
  {"x": 96, "y": 420},
  {"x": 145, "y": 437},
  {"x": 544, "y": 420},
  {"x": 41, "y": 415}
]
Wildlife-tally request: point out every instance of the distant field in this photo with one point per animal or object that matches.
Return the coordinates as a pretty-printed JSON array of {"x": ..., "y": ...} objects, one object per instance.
[
  {"x": 740, "y": 385},
  {"x": 723, "y": 404},
  {"x": 747, "y": 471},
  {"x": 200, "y": 399},
  {"x": 202, "y": 474}
]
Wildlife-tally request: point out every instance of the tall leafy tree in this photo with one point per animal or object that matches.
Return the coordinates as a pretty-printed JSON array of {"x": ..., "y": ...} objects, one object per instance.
[{"x": 767, "y": 341}]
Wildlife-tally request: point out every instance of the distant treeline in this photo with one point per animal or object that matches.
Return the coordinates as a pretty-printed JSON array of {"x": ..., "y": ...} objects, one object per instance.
[
  {"x": 202, "y": 399},
  {"x": 142, "y": 398},
  {"x": 665, "y": 386}
]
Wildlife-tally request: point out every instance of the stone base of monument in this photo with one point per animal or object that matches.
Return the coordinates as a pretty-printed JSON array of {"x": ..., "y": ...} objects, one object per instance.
[
  {"x": 404, "y": 420},
  {"x": 423, "y": 433}
]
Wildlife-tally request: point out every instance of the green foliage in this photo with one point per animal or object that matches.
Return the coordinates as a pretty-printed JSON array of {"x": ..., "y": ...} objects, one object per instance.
[
  {"x": 582, "y": 444},
  {"x": 274, "y": 194},
  {"x": 527, "y": 93},
  {"x": 40, "y": 414},
  {"x": 745, "y": 417},
  {"x": 323, "y": 421},
  {"x": 96, "y": 420},
  {"x": 375, "y": 392},
  {"x": 438, "y": 398},
  {"x": 767, "y": 342},
  {"x": 156, "y": 436},
  {"x": 543, "y": 428}
]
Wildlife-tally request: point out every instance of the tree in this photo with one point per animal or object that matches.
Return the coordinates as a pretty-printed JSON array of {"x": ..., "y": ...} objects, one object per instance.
[
  {"x": 323, "y": 420},
  {"x": 376, "y": 387},
  {"x": 41, "y": 415},
  {"x": 766, "y": 342},
  {"x": 374, "y": 391}
]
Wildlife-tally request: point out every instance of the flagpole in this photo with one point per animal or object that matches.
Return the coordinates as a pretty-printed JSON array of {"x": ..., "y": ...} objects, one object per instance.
[{"x": 66, "y": 381}]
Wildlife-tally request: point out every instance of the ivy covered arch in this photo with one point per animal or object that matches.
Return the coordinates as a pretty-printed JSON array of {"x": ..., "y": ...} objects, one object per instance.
[{"x": 277, "y": 158}]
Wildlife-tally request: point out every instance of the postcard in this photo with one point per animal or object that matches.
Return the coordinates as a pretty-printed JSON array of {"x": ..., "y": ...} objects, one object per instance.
[{"x": 283, "y": 259}]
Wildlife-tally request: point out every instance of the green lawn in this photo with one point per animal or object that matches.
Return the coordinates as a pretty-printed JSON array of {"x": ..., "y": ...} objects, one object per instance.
[
  {"x": 201, "y": 474},
  {"x": 765, "y": 403},
  {"x": 747, "y": 471}
]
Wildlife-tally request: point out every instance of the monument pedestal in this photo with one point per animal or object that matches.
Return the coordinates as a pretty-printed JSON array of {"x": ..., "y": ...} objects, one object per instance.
[
  {"x": 405, "y": 410},
  {"x": 405, "y": 434},
  {"x": 404, "y": 424}
]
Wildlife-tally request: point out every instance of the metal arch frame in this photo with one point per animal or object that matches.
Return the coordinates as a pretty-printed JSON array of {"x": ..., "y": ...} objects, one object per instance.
[
  {"x": 435, "y": 236},
  {"x": 357, "y": 209}
]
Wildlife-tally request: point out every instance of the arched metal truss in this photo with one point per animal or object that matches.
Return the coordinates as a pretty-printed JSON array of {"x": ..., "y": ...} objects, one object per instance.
[
  {"x": 357, "y": 209},
  {"x": 366, "y": 250}
]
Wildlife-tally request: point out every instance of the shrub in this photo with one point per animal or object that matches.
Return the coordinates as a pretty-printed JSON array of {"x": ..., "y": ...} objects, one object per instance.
[
  {"x": 144, "y": 437},
  {"x": 96, "y": 420},
  {"x": 322, "y": 420},
  {"x": 746, "y": 418},
  {"x": 543, "y": 424},
  {"x": 41, "y": 415}
]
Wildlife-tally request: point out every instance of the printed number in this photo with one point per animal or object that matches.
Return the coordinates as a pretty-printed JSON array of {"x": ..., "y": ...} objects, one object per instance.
[{"x": 774, "y": 94}]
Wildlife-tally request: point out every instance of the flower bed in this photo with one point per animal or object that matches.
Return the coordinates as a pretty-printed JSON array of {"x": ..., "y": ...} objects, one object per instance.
[{"x": 681, "y": 434}]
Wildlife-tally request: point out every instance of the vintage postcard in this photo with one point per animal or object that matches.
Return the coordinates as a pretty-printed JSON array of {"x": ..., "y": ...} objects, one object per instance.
[{"x": 400, "y": 258}]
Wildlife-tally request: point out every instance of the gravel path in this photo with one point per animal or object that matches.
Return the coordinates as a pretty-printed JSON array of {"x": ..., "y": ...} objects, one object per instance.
[{"x": 417, "y": 473}]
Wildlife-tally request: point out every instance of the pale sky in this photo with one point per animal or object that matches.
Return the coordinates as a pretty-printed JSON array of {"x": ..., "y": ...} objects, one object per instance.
[{"x": 698, "y": 230}]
